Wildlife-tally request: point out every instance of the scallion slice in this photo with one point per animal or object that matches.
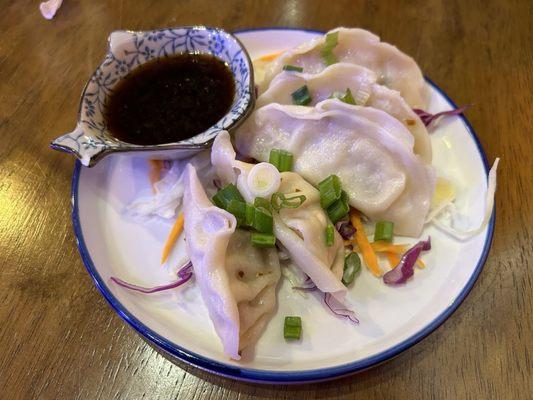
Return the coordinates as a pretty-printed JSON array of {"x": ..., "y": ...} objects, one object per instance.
[
  {"x": 326, "y": 52},
  {"x": 238, "y": 208},
  {"x": 263, "y": 239},
  {"x": 249, "y": 215},
  {"x": 301, "y": 96},
  {"x": 348, "y": 97},
  {"x": 330, "y": 190},
  {"x": 259, "y": 202},
  {"x": 295, "y": 68},
  {"x": 352, "y": 264},
  {"x": 345, "y": 97},
  {"x": 223, "y": 197},
  {"x": 384, "y": 231},
  {"x": 330, "y": 238},
  {"x": 339, "y": 209},
  {"x": 336, "y": 95},
  {"x": 281, "y": 159},
  {"x": 263, "y": 221},
  {"x": 279, "y": 201},
  {"x": 292, "y": 329}
]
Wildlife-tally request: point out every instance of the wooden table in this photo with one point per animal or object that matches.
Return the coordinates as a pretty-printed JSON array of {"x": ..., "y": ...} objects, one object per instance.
[{"x": 59, "y": 338}]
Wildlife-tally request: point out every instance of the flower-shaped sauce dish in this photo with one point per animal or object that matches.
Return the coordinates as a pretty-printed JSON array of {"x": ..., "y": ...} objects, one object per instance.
[{"x": 92, "y": 139}]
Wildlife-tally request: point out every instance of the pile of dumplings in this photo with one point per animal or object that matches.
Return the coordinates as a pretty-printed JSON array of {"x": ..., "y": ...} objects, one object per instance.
[{"x": 379, "y": 148}]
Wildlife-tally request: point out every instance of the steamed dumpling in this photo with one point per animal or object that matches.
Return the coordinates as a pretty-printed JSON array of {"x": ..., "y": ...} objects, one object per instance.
[
  {"x": 393, "y": 68},
  {"x": 336, "y": 77},
  {"x": 253, "y": 275},
  {"x": 300, "y": 230},
  {"x": 362, "y": 83},
  {"x": 382, "y": 176},
  {"x": 237, "y": 281}
]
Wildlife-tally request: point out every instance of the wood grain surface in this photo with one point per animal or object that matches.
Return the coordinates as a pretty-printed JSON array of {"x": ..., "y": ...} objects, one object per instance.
[{"x": 58, "y": 337}]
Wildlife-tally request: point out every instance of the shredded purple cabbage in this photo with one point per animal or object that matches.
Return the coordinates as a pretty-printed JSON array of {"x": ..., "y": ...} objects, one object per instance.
[
  {"x": 337, "y": 308},
  {"x": 217, "y": 183},
  {"x": 334, "y": 306},
  {"x": 345, "y": 229},
  {"x": 406, "y": 267},
  {"x": 428, "y": 118},
  {"x": 184, "y": 274}
]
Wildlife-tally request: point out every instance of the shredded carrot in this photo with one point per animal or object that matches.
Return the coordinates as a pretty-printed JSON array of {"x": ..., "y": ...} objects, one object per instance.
[
  {"x": 175, "y": 232},
  {"x": 369, "y": 256},
  {"x": 394, "y": 259},
  {"x": 269, "y": 57},
  {"x": 396, "y": 249},
  {"x": 392, "y": 248},
  {"x": 156, "y": 166}
]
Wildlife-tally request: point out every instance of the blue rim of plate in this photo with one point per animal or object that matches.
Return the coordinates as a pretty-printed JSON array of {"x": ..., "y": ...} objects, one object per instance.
[{"x": 277, "y": 377}]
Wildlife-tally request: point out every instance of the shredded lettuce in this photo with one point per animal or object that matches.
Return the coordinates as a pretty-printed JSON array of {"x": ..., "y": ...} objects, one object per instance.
[
  {"x": 461, "y": 234},
  {"x": 169, "y": 190}
]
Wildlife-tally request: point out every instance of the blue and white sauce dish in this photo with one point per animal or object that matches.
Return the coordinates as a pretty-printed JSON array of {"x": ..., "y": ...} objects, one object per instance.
[{"x": 91, "y": 140}]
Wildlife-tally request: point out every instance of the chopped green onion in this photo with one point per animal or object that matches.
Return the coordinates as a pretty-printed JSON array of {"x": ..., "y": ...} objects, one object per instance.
[
  {"x": 330, "y": 238},
  {"x": 285, "y": 161},
  {"x": 223, "y": 197},
  {"x": 292, "y": 68},
  {"x": 330, "y": 190},
  {"x": 383, "y": 231},
  {"x": 345, "y": 97},
  {"x": 326, "y": 52},
  {"x": 259, "y": 202},
  {"x": 238, "y": 208},
  {"x": 281, "y": 159},
  {"x": 292, "y": 329},
  {"x": 279, "y": 201},
  {"x": 339, "y": 209},
  {"x": 263, "y": 221},
  {"x": 274, "y": 157},
  {"x": 352, "y": 264},
  {"x": 249, "y": 215},
  {"x": 348, "y": 97},
  {"x": 301, "y": 96},
  {"x": 263, "y": 239}
]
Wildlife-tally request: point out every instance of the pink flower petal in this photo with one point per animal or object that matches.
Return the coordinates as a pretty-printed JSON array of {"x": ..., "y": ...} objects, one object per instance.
[{"x": 49, "y": 8}]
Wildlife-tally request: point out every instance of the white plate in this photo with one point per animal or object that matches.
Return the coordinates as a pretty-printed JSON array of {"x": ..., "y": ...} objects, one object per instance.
[{"x": 392, "y": 318}]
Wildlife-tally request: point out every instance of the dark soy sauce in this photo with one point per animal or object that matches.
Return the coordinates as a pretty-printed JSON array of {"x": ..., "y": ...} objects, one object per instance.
[{"x": 170, "y": 99}]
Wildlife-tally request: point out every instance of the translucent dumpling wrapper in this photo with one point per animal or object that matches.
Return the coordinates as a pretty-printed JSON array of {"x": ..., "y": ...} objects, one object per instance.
[
  {"x": 393, "y": 68},
  {"x": 168, "y": 192},
  {"x": 228, "y": 168},
  {"x": 237, "y": 280},
  {"x": 361, "y": 82},
  {"x": 382, "y": 176},
  {"x": 300, "y": 230}
]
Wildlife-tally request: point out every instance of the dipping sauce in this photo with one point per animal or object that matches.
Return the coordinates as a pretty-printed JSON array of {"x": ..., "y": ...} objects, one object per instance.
[{"x": 166, "y": 100}]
